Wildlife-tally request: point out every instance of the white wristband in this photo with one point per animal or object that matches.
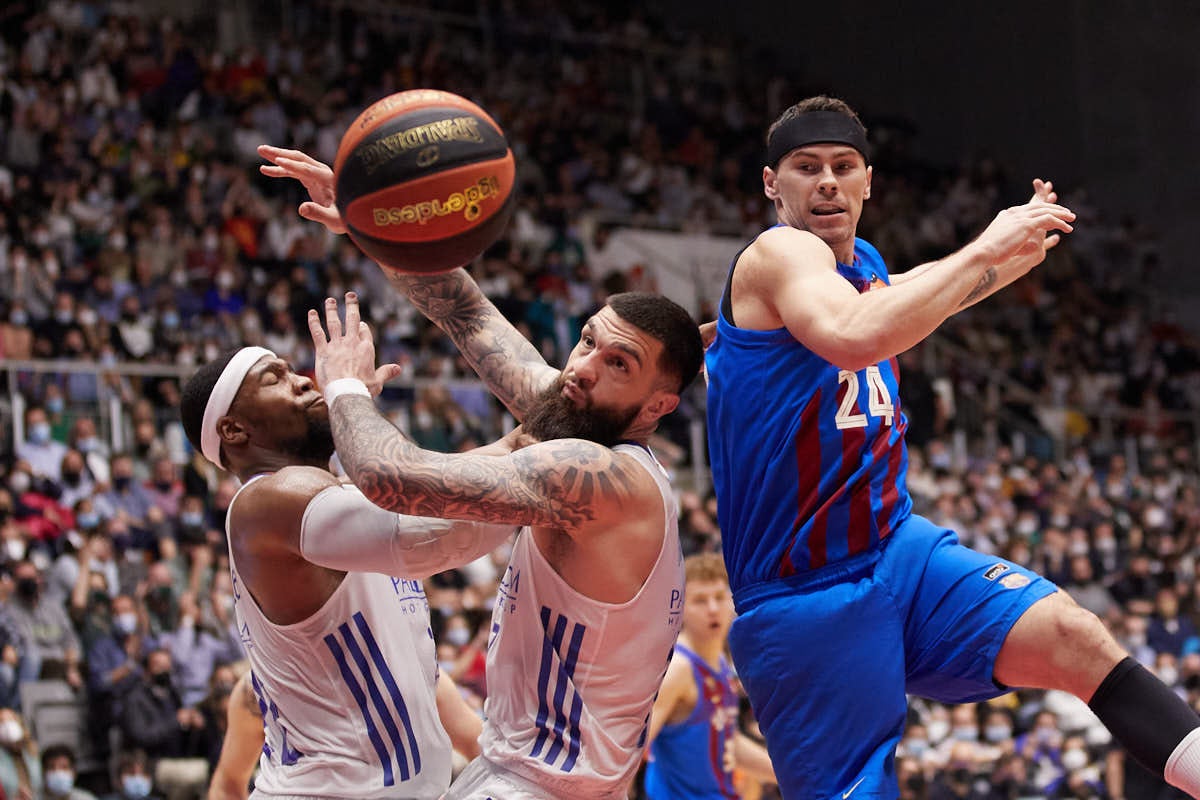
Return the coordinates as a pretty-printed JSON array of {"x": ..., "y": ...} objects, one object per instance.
[{"x": 342, "y": 386}]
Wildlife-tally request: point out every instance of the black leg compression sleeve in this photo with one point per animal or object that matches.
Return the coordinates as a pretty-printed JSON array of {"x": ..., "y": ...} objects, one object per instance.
[{"x": 1144, "y": 715}]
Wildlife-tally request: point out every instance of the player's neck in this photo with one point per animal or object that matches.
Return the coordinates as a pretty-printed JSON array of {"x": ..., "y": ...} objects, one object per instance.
[{"x": 708, "y": 648}]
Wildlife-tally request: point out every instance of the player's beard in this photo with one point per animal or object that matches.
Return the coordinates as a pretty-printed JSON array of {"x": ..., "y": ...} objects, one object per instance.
[
  {"x": 315, "y": 446},
  {"x": 554, "y": 416}
]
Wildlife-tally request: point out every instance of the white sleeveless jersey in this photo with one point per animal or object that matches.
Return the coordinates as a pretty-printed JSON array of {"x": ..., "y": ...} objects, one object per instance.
[
  {"x": 347, "y": 695},
  {"x": 570, "y": 679}
]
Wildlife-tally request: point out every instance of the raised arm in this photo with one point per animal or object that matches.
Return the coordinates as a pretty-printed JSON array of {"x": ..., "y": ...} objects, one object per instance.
[
  {"x": 1002, "y": 274},
  {"x": 791, "y": 275},
  {"x": 505, "y": 360}
]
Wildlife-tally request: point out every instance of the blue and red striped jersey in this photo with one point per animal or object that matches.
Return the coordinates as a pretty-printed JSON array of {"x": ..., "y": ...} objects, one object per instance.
[
  {"x": 808, "y": 460},
  {"x": 687, "y": 759}
]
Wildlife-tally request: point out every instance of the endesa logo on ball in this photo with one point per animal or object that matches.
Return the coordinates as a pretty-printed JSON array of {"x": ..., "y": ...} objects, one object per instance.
[{"x": 468, "y": 201}]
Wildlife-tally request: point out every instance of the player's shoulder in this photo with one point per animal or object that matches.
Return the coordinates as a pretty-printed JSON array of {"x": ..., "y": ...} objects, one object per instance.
[
  {"x": 783, "y": 248},
  {"x": 277, "y": 501},
  {"x": 289, "y": 483}
]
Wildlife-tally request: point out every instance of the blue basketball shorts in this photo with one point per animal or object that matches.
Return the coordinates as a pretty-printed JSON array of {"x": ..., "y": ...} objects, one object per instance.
[{"x": 828, "y": 656}]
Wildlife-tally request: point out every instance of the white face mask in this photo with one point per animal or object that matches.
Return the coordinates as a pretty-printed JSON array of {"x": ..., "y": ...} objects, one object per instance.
[
  {"x": 1074, "y": 759},
  {"x": 11, "y": 731},
  {"x": 938, "y": 729}
]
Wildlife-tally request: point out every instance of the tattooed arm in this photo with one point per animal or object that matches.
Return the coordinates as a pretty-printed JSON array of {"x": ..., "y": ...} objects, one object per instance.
[
  {"x": 507, "y": 362},
  {"x": 568, "y": 484}
]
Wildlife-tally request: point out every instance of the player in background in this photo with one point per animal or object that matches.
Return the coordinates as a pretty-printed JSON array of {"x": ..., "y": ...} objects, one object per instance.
[
  {"x": 343, "y": 666},
  {"x": 845, "y": 598},
  {"x": 695, "y": 742}
]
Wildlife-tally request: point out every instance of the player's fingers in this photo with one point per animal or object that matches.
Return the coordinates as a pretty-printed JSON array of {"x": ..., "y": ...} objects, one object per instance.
[
  {"x": 1051, "y": 241},
  {"x": 272, "y": 153},
  {"x": 332, "y": 322},
  {"x": 388, "y": 372},
  {"x": 322, "y": 214},
  {"x": 353, "y": 320},
  {"x": 315, "y": 329},
  {"x": 273, "y": 171}
]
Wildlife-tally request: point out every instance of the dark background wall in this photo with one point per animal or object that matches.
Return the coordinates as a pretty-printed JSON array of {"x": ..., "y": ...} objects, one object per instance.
[{"x": 1097, "y": 93}]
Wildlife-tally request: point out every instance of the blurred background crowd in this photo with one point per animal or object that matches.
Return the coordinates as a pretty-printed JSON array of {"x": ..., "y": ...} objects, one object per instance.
[{"x": 1054, "y": 425}]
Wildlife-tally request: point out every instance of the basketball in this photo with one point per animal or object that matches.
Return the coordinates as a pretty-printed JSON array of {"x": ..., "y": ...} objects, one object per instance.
[{"x": 424, "y": 181}]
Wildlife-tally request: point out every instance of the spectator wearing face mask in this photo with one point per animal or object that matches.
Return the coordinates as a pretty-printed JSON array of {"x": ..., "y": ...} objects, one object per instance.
[
  {"x": 95, "y": 452},
  {"x": 164, "y": 486},
  {"x": 43, "y": 454},
  {"x": 45, "y": 626},
  {"x": 126, "y": 497},
  {"x": 133, "y": 778},
  {"x": 58, "y": 775},
  {"x": 196, "y": 650},
  {"x": 1169, "y": 630},
  {"x": 76, "y": 483},
  {"x": 152, "y": 716},
  {"x": 20, "y": 770}
]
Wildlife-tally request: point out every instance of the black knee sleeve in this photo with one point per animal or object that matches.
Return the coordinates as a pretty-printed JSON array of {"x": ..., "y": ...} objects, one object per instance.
[{"x": 1143, "y": 714}]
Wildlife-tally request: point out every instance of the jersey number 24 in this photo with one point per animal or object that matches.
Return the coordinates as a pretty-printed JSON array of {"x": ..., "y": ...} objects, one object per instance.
[{"x": 879, "y": 399}]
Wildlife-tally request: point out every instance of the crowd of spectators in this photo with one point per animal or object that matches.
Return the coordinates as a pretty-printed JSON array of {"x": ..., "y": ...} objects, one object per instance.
[{"x": 134, "y": 227}]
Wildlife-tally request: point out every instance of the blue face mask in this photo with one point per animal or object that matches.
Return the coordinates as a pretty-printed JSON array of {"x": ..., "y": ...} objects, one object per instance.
[
  {"x": 135, "y": 787},
  {"x": 39, "y": 432},
  {"x": 60, "y": 781},
  {"x": 87, "y": 519},
  {"x": 55, "y": 405},
  {"x": 192, "y": 519}
]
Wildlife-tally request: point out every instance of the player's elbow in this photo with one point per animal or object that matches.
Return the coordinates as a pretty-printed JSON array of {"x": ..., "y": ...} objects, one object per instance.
[{"x": 847, "y": 352}]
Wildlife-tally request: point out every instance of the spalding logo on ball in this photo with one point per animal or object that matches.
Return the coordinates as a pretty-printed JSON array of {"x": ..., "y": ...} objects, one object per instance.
[{"x": 424, "y": 181}]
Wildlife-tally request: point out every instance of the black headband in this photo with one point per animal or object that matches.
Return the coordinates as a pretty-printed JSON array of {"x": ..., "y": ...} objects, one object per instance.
[{"x": 816, "y": 127}]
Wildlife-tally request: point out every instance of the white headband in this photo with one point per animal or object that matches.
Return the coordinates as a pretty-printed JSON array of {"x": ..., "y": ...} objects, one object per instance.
[{"x": 222, "y": 396}]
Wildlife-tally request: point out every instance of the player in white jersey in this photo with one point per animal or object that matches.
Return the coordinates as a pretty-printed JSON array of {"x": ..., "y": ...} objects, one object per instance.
[
  {"x": 343, "y": 666},
  {"x": 590, "y": 608},
  {"x": 596, "y": 582}
]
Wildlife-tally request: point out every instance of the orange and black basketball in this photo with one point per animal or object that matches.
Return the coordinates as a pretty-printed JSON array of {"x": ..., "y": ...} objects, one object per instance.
[{"x": 424, "y": 181}]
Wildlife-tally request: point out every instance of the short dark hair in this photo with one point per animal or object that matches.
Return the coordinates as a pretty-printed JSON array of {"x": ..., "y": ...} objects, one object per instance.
[
  {"x": 132, "y": 758},
  {"x": 194, "y": 398},
  {"x": 669, "y": 323},
  {"x": 819, "y": 103},
  {"x": 57, "y": 751}
]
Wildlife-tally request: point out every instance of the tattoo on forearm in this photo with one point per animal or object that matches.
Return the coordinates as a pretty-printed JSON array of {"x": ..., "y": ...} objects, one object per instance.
[
  {"x": 564, "y": 483},
  {"x": 506, "y": 361},
  {"x": 985, "y": 284}
]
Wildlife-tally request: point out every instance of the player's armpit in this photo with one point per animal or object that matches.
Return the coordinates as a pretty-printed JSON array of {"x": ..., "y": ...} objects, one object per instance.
[
  {"x": 506, "y": 361},
  {"x": 568, "y": 484}
]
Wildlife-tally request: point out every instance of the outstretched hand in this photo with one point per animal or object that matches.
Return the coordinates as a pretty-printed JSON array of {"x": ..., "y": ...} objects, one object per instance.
[
  {"x": 1020, "y": 232},
  {"x": 349, "y": 353},
  {"x": 316, "y": 177}
]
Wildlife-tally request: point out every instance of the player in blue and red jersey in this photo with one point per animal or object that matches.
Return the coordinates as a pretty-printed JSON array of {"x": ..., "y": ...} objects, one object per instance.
[
  {"x": 846, "y": 599},
  {"x": 694, "y": 741}
]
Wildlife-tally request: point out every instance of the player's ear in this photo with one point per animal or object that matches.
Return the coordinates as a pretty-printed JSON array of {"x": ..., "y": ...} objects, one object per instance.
[
  {"x": 770, "y": 183},
  {"x": 659, "y": 405},
  {"x": 232, "y": 431},
  {"x": 867, "y": 193}
]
